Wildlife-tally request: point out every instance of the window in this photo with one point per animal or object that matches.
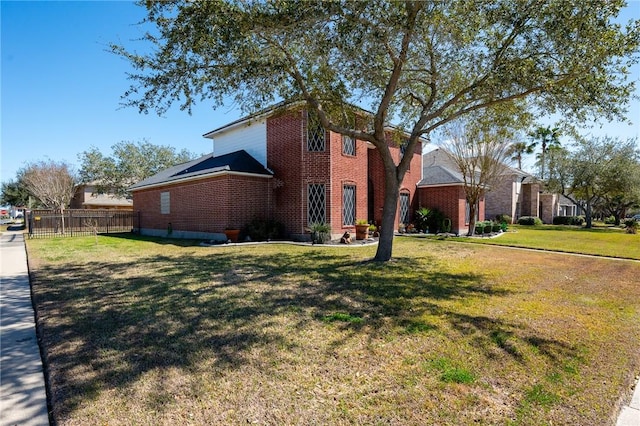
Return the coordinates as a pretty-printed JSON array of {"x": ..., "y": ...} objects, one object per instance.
[
  {"x": 403, "y": 150},
  {"x": 315, "y": 133},
  {"x": 404, "y": 208},
  {"x": 165, "y": 203},
  {"x": 348, "y": 205},
  {"x": 316, "y": 203},
  {"x": 348, "y": 145}
]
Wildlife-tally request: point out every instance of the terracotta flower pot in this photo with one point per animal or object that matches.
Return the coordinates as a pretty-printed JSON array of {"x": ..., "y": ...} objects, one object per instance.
[
  {"x": 362, "y": 232},
  {"x": 232, "y": 234}
]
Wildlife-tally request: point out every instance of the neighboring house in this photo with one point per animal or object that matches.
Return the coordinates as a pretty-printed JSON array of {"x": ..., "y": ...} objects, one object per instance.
[
  {"x": 552, "y": 205},
  {"x": 86, "y": 197},
  {"x": 442, "y": 187},
  {"x": 517, "y": 194},
  {"x": 279, "y": 164}
]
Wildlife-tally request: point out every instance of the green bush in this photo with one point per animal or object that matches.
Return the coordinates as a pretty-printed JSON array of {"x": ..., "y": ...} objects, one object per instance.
[
  {"x": 422, "y": 219},
  {"x": 503, "y": 218},
  {"x": 264, "y": 229},
  {"x": 435, "y": 221},
  {"x": 568, "y": 220},
  {"x": 320, "y": 233},
  {"x": 529, "y": 220},
  {"x": 488, "y": 227},
  {"x": 610, "y": 220},
  {"x": 632, "y": 226}
]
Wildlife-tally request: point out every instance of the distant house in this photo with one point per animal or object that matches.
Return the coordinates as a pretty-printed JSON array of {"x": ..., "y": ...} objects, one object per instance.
[
  {"x": 279, "y": 164},
  {"x": 552, "y": 205},
  {"x": 442, "y": 187},
  {"x": 516, "y": 195},
  {"x": 86, "y": 197}
]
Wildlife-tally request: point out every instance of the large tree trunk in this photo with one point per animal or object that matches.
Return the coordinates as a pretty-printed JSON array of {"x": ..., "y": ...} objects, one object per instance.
[
  {"x": 392, "y": 192},
  {"x": 472, "y": 219},
  {"x": 587, "y": 217}
]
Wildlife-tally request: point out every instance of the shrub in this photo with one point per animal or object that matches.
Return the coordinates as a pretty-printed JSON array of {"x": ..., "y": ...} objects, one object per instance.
[
  {"x": 496, "y": 227},
  {"x": 422, "y": 219},
  {"x": 264, "y": 229},
  {"x": 320, "y": 233},
  {"x": 503, "y": 218},
  {"x": 631, "y": 226},
  {"x": 610, "y": 220},
  {"x": 479, "y": 228},
  {"x": 446, "y": 225},
  {"x": 529, "y": 220},
  {"x": 435, "y": 221},
  {"x": 568, "y": 220},
  {"x": 488, "y": 227}
]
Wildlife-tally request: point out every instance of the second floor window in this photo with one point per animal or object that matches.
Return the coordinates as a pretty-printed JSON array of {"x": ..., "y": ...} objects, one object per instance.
[
  {"x": 315, "y": 133},
  {"x": 348, "y": 145}
]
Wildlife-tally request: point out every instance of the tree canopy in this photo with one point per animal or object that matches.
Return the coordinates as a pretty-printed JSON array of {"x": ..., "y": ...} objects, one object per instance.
[
  {"x": 130, "y": 163},
  {"x": 423, "y": 64},
  {"x": 604, "y": 171}
]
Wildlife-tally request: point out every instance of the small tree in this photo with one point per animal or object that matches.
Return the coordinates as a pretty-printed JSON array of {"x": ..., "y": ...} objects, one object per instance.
[
  {"x": 599, "y": 170},
  {"x": 14, "y": 193},
  {"x": 52, "y": 183},
  {"x": 480, "y": 155},
  {"x": 130, "y": 163}
]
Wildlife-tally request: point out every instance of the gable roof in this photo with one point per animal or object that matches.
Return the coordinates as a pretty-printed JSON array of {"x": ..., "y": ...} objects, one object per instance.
[
  {"x": 285, "y": 106},
  {"x": 440, "y": 175},
  {"x": 439, "y": 169},
  {"x": 238, "y": 162}
]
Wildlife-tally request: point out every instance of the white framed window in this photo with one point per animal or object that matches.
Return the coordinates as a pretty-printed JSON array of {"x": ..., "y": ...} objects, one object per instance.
[
  {"x": 348, "y": 145},
  {"x": 316, "y": 202},
  {"x": 165, "y": 203},
  {"x": 315, "y": 133},
  {"x": 404, "y": 208},
  {"x": 348, "y": 205}
]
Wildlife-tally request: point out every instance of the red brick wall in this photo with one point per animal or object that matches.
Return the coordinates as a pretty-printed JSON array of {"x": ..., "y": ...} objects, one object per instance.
[
  {"x": 450, "y": 200},
  {"x": 207, "y": 205},
  {"x": 347, "y": 170},
  {"x": 284, "y": 157},
  {"x": 377, "y": 179}
]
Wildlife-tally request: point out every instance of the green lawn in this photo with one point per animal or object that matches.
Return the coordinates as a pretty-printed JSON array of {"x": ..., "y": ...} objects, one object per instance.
[
  {"x": 600, "y": 241},
  {"x": 144, "y": 331}
]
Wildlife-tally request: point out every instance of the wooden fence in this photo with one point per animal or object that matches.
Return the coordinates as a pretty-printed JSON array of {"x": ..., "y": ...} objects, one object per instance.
[{"x": 79, "y": 222}]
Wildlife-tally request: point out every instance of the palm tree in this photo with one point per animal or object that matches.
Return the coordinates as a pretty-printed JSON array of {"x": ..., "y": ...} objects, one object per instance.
[
  {"x": 518, "y": 149},
  {"x": 548, "y": 138}
]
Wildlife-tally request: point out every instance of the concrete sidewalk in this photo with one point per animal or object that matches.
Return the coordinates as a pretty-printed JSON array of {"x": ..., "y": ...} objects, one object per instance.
[
  {"x": 630, "y": 414},
  {"x": 23, "y": 398}
]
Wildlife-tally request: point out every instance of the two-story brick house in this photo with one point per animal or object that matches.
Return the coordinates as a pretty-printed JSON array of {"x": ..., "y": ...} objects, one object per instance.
[{"x": 279, "y": 164}]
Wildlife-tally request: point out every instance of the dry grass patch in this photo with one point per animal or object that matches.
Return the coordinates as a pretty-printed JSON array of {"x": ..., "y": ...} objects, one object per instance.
[{"x": 150, "y": 332}]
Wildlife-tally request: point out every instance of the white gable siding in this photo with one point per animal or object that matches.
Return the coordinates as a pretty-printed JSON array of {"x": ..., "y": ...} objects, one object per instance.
[{"x": 250, "y": 137}]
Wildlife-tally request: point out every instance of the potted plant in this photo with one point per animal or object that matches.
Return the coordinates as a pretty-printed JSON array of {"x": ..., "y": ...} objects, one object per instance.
[
  {"x": 232, "y": 234},
  {"x": 320, "y": 233},
  {"x": 362, "y": 229}
]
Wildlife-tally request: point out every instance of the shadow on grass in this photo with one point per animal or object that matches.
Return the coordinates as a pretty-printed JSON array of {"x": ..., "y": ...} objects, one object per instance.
[{"x": 118, "y": 320}]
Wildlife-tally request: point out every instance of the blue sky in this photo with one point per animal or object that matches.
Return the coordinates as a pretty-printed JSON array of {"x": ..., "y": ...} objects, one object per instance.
[{"x": 61, "y": 88}]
